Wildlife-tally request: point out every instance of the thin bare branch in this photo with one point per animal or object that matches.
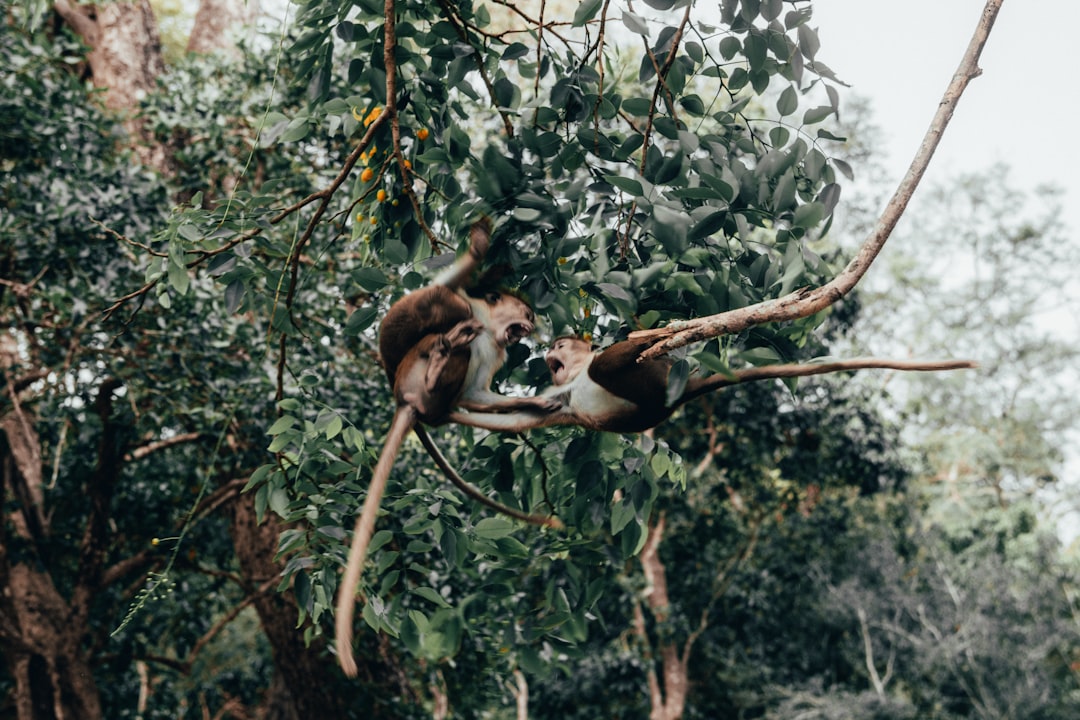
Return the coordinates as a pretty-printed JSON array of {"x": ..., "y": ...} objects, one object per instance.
[{"x": 143, "y": 450}]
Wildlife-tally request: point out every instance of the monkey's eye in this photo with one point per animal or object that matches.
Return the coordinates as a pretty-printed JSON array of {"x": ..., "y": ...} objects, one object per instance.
[{"x": 492, "y": 298}]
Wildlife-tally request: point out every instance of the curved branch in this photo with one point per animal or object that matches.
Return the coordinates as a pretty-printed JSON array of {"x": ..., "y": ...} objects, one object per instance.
[
  {"x": 807, "y": 301},
  {"x": 474, "y": 492}
]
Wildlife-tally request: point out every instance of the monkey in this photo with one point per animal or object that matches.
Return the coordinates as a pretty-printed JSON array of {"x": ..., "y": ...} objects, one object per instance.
[
  {"x": 440, "y": 349},
  {"x": 615, "y": 391}
]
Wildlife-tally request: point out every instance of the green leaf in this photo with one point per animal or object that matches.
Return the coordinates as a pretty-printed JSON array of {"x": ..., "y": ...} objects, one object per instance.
[
  {"x": 760, "y": 356},
  {"x": 621, "y": 515},
  {"x": 788, "y": 101},
  {"x": 808, "y": 215},
  {"x": 669, "y": 169},
  {"x": 816, "y": 115},
  {"x": 278, "y": 501},
  {"x": 677, "y": 377},
  {"x": 808, "y": 42},
  {"x": 493, "y": 528},
  {"x": 694, "y": 50},
  {"x": 283, "y": 423},
  {"x": 639, "y": 107},
  {"x": 297, "y": 130},
  {"x": 586, "y": 11},
  {"x": 627, "y": 185},
  {"x": 730, "y": 46},
  {"x": 515, "y": 50},
  {"x": 179, "y": 279},
  {"x": 361, "y": 319},
  {"x": 431, "y": 595},
  {"x": 614, "y": 291},
  {"x": 710, "y": 224},
  {"x": 635, "y": 23},
  {"x": 234, "y": 295}
]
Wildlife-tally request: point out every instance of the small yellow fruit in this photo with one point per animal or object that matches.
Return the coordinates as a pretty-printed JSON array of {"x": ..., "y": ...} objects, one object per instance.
[
  {"x": 381, "y": 195},
  {"x": 367, "y": 175}
]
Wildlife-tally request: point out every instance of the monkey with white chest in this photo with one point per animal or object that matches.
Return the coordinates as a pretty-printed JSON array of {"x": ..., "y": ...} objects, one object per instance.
[
  {"x": 440, "y": 349},
  {"x": 614, "y": 390}
]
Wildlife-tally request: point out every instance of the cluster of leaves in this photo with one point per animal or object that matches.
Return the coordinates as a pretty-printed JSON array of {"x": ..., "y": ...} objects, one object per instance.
[
  {"x": 628, "y": 189},
  {"x": 71, "y": 199},
  {"x": 648, "y": 184}
]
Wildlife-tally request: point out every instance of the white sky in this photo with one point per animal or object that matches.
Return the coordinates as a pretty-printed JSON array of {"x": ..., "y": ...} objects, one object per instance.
[
  {"x": 1020, "y": 111},
  {"x": 902, "y": 54}
]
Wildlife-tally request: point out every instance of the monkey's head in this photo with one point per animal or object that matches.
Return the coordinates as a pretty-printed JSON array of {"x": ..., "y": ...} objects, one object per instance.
[
  {"x": 567, "y": 357},
  {"x": 508, "y": 317}
]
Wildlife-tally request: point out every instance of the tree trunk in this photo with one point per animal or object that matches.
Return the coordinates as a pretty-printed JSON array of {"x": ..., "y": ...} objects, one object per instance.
[
  {"x": 669, "y": 701},
  {"x": 297, "y": 690},
  {"x": 53, "y": 679},
  {"x": 40, "y": 634},
  {"x": 218, "y": 22},
  {"x": 125, "y": 61}
]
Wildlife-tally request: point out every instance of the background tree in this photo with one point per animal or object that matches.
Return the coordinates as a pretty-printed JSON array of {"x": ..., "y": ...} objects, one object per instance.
[{"x": 167, "y": 360}]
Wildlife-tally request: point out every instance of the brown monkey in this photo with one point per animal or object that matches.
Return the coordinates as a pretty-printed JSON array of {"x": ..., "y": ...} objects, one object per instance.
[
  {"x": 440, "y": 348},
  {"x": 439, "y": 307},
  {"x": 613, "y": 391}
]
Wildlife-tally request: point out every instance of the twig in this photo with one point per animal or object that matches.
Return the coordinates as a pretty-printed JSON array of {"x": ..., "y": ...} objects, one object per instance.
[{"x": 143, "y": 450}]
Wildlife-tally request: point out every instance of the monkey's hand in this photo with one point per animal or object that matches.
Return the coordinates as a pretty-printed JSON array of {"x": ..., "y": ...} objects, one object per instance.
[
  {"x": 541, "y": 405},
  {"x": 463, "y": 333}
]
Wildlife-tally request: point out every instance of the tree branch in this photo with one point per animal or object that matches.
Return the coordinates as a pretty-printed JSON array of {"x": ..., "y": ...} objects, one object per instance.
[
  {"x": 143, "y": 450},
  {"x": 806, "y": 301}
]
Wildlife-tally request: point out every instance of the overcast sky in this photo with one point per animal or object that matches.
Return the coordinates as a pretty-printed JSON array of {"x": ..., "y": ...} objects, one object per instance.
[{"x": 1021, "y": 111}]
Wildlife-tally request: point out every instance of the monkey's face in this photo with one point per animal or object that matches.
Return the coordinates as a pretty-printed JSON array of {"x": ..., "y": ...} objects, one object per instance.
[
  {"x": 509, "y": 318},
  {"x": 566, "y": 359}
]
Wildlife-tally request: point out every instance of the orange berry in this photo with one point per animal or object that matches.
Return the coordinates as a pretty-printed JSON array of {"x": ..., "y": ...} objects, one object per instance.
[
  {"x": 422, "y": 134},
  {"x": 381, "y": 195},
  {"x": 367, "y": 175}
]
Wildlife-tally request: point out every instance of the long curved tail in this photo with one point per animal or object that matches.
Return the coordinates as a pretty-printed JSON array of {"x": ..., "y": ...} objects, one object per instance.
[{"x": 404, "y": 419}]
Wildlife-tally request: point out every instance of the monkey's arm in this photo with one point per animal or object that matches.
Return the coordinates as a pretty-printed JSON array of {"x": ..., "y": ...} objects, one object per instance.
[
  {"x": 457, "y": 275},
  {"x": 486, "y": 401},
  {"x": 517, "y": 421}
]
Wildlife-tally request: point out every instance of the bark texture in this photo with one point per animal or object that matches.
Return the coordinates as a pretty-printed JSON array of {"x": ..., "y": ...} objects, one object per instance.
[
  {"x": 41, "y": 634},
  {"x": 218, "y": 23},
  {"x": 296, "y": 691},
  {"x": 125, "y": 62}
]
